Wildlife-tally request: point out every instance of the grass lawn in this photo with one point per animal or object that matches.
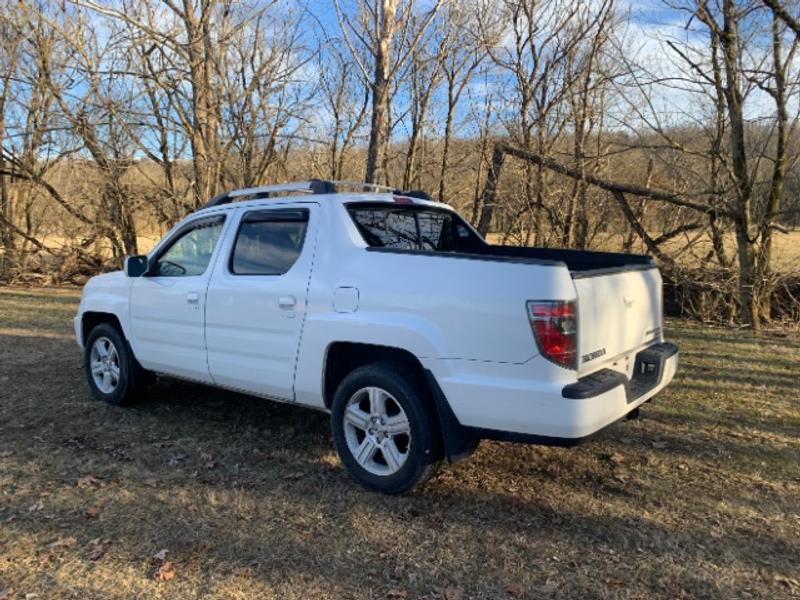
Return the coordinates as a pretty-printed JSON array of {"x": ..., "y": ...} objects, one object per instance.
[{"x": 197, "y": 493}]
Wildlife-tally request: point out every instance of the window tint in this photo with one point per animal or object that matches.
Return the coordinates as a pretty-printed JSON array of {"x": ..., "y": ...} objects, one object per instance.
[
  {"x": 388, "y": 228},
  {"x": 191, "y": 252},
  {"x": 269, "y": 242},
  {"x": 435, "y": 230},
  {"x": 409, "y": 229}
]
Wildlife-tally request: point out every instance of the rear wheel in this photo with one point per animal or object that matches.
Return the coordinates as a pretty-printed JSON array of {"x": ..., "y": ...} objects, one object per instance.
[
  {"x": 113, "y": 374},
  {"x": 384, "y": 429}
]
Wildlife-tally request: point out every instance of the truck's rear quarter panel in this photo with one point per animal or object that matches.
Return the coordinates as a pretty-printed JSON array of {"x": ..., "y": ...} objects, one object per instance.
[{"x": 438, "y": 307}]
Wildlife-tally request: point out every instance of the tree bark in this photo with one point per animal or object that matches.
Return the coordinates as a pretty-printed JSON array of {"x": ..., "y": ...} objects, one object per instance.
[
  {"x": 379, "y": 124},
  {"x": 490, "y": 189}
]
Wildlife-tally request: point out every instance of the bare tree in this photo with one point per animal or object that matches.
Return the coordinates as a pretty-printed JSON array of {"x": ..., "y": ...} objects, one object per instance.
[
  {"x": 462, "y": 55},
  {"x": 9, "y": 57},
  {"x": 780, "y": 10},
  {"x": 425, "y": 75},
  {"x": 387, "y": 34},
  {"x": 754, "y": 54},
  {"x": 347, "y": 99},
  {"x": 535, "y": 43}
]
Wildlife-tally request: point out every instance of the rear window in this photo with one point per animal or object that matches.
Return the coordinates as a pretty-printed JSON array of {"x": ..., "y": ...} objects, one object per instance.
[{"x": 404, "y": 228}]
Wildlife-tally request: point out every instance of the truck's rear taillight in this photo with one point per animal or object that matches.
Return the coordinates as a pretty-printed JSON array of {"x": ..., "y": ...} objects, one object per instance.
[{"x": 555, "y": 327}]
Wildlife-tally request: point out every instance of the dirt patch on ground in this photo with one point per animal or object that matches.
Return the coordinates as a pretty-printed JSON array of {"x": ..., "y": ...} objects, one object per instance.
[{"x": 197, "y": 493}]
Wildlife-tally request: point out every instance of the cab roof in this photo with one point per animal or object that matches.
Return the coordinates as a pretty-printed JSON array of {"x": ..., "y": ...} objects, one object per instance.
[{"x": 332, "y": 191}]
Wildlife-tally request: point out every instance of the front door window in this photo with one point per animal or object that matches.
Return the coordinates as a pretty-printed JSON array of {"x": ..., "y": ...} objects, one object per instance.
[{"x": 191, "y": 252}]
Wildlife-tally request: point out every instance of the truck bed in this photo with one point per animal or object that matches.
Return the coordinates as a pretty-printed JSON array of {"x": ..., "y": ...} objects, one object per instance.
[
  {"x": 577, "y": 261},
  {"x": 580, "y": 263}
]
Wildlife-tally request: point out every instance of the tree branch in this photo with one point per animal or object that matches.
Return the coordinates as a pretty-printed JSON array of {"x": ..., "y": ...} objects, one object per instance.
[{"x": 610, "y": 186}]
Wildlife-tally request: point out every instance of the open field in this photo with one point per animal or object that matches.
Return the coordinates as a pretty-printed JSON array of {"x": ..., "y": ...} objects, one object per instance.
[{"x": 698, "y": 499}]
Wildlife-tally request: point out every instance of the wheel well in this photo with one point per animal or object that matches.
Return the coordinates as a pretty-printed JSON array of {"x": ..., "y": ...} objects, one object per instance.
[
  {"x": 344, "y": 357},
  {"x": 90, "y": 320}
]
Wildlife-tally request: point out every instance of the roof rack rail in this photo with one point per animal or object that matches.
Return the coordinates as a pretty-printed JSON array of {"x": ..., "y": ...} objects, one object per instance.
[{"x": 312, "y": 186}]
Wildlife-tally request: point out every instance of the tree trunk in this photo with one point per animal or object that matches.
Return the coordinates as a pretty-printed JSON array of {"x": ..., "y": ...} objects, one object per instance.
[
  {"x": 204, "y": 114},
  {"x": 379, "y": 125},
  {"x": 764, "y": 256},
  {"x": 748, "y": 308},
  {"x": 490, "y": 190},
  {"x": 733, "y": 96},
  {"x": 6, "y": 234}
]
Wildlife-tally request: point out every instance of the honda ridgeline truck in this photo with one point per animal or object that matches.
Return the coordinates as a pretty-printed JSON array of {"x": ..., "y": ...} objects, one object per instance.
[{"x": 389, "y": 312}]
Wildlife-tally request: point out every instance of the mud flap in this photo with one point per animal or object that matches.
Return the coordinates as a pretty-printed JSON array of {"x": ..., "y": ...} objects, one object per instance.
[{"x": 459, "y": 441}]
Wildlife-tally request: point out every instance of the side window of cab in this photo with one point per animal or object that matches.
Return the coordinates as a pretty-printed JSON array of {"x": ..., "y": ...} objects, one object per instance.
[
  {"x": 190, "y": 252},
  {"x": 269, "y": 242}
]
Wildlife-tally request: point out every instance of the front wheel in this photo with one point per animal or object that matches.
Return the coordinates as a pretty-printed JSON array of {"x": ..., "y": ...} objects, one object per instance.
[
  {"x": 384, "y": 428},
  {"x": 113, "y": 374}
]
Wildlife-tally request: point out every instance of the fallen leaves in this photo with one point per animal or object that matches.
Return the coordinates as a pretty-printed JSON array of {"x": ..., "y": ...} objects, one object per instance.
[
  {"x": 177, "y": 459},
  {"x": 549, "y": 587},
  {"x": 92, "y": 512},
  {"x": 89, "y": 481},
  {"x": 515, "y": 590},
  {"x": 65, "y": 542},
  {"x": 789, "y": 582},
  {"x": 165, "y": 572},
  {"x": 614, "y": 457},
  {"x": 451, "y": 593},
  {"x": 161, "y": 554},
  {"x": 5, "y": 594},
  {"x": 207, "y": 460},
  {"x": 390, "y": 594},
  {"x": 258, "y": 455},
  {"x": 659, "y": 445},
  {"x": 166, "y": 569},
  {"x": 97, "y": 548}
]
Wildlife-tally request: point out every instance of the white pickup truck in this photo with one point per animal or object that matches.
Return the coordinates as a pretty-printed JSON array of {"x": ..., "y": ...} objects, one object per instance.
[{"x": 391, "y": 313}]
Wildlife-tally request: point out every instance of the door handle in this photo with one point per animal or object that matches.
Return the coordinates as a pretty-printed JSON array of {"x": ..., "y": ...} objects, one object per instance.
[
  {"x": 193, "y": 297},
  {"x": 287, "y": 302}
]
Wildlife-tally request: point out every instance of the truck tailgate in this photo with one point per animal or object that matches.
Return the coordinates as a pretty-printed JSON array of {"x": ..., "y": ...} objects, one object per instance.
[{"x": 619, "y": 311}]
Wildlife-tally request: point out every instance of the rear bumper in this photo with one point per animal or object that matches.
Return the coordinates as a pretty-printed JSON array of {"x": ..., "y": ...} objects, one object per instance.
[
  {"x": 607, "y": 396},
  {"x": 648, "y": 369},
  {"x": 521, "y": 410}
]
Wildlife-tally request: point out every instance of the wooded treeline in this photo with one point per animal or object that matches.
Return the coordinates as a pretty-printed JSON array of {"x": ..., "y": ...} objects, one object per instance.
[{"x": 545, "y": 122}]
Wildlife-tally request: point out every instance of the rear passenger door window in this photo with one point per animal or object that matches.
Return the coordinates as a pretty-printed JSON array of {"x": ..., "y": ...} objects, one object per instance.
[{"x": 269, "y": 242}]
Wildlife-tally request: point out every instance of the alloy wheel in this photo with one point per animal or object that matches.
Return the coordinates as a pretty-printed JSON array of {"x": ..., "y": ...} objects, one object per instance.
[
  {"x": 377, "y": 431},
  {"x": 104, "y": 364}
]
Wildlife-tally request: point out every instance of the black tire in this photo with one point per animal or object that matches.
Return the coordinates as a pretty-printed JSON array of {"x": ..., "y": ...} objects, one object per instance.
[
  {"x": 132, "y": 378},
  {"x": 423, "y": 451}
]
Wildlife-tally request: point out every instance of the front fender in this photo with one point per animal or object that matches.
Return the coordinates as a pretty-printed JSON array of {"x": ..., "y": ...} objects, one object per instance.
[{"x": 105, "y": 294}]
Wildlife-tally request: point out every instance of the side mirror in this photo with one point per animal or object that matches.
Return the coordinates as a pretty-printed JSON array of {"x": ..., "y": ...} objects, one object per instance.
[{"x": 136, "y": 266}]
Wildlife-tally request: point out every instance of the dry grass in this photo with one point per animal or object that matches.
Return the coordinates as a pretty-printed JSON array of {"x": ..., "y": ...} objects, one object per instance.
[{"x": 701, "y": 498}]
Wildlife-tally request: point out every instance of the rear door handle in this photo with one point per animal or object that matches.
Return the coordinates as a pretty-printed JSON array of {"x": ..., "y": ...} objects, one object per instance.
[
  {"x": 193, "y": 297},
  {"x": 287, "y": 302}
]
